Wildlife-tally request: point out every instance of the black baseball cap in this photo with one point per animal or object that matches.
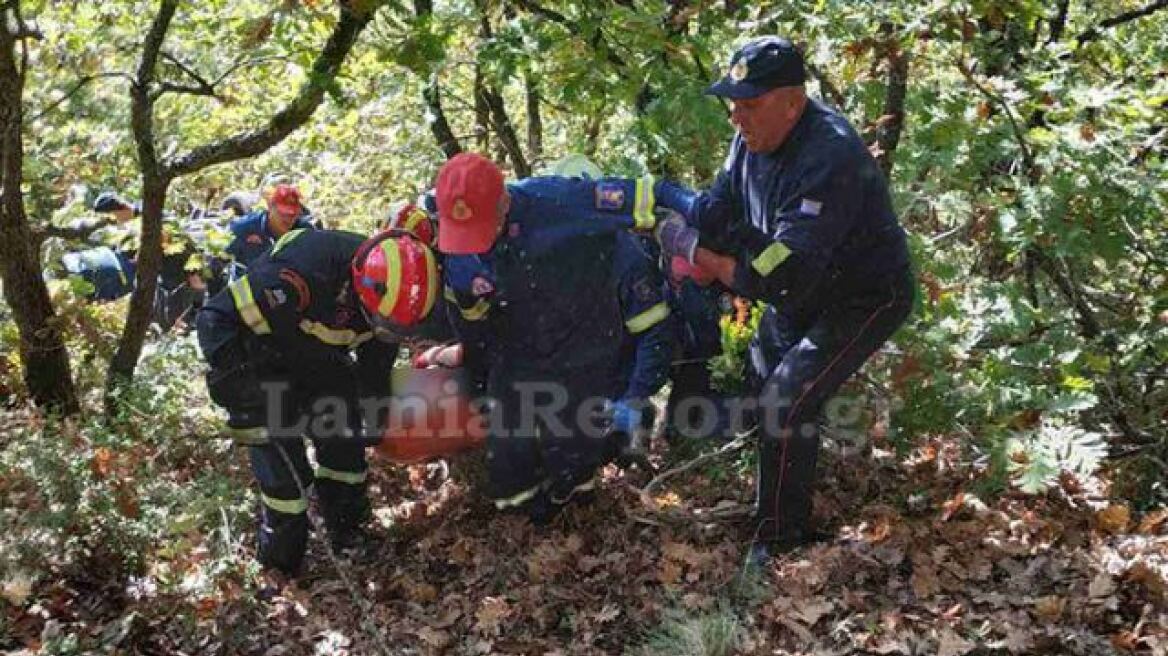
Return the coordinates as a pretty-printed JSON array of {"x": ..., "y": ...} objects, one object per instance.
[{"x": 762, "y": 64}]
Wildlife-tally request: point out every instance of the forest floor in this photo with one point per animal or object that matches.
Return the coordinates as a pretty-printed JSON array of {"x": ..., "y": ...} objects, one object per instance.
[{"x": 918, "y": 564}]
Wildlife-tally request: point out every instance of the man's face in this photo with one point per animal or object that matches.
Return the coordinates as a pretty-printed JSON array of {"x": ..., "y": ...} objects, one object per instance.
[
  {"x": 765, "y": 121},
  {"x": 280, "y": 222}
]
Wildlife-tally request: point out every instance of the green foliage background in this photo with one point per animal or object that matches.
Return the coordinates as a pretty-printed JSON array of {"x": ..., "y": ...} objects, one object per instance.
[{"x": 1030, "y": 171}]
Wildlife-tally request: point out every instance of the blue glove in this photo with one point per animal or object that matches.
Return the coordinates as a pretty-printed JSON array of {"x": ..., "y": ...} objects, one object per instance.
[
  {"x": 675, "y": 236},
  {"x": 626, "y": 418}
]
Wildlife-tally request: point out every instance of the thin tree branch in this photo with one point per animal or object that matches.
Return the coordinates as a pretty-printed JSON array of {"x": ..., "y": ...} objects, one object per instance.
[
  {"x": 1015, "y": 126},
  {"x": 1094, "y": 33},
  {"x": 825, "y": 84},
  {"x": 291, "y": 116},
  {"x": 892, "y": 120},
  {"x": 73, "y": 91}
]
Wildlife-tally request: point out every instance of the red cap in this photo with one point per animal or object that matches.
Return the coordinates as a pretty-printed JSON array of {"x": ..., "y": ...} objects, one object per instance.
[
  {"x": 286, "y": 199},
  {"x": 469, "y": 189}
]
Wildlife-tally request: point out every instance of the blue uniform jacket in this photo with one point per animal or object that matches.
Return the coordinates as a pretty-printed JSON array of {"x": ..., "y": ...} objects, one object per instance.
[
  {"x": 545, "y": 290},
  {"x": 252, "y": 237},
  {"x": 111, "y": 272},
  {"x": 647, "y": 344},
  {"x": 817, "y": 206},
  {"x": 297, "y": 300}
]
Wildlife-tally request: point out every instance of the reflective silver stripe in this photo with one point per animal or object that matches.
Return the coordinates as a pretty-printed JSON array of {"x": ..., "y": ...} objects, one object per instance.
[
  {"x": 352, "y": 478},
  {"x": 773, "y": 256},
  {"x": 246, "y": 305},
  {"x": 643, "y": 203},
  {"x": 647, "y": 319},
  {"x": 286, "y": 506},
  {"x": 518, "y": 499}
]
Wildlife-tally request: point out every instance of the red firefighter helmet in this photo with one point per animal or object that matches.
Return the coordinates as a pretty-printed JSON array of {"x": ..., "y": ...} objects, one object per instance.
[
  {"x": 412, "y": 219},
  {"x": 396, "y": 279}
]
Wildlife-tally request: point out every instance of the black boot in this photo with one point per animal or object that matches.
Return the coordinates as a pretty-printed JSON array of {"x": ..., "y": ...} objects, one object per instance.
[{"x": 282, "y": 539}]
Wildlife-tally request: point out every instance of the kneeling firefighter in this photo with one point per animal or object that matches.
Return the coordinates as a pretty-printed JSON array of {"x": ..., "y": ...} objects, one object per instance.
[{"x": 281, "y": 341}]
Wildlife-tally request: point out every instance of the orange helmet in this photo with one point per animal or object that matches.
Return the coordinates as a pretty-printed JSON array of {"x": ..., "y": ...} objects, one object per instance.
[
  {"x": 396, "y": 279},
  {"x": 412, "y": 219}
]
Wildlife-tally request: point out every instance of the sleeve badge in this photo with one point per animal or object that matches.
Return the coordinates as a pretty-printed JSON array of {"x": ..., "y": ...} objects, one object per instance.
[{"x": 609, "y": 196}]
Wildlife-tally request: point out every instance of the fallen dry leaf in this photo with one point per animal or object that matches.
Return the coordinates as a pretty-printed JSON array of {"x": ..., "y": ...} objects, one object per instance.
[
  {"x": 490, "y": 615},
  {"x": 953, "y": 644},
  {"x": 1114, "y": 519},
  {"x": 811, "y": 612},
  {"x": 1101, "y": 586},
  {"x": 1125, "y": 640},
  {"x": 1050, "y": 608},
  {"x": 434, "y": 638},
  {"x": 1151, "y": 523}
]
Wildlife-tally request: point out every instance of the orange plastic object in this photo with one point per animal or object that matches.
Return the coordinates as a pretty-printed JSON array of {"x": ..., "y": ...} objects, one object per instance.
[{"x": 431, "y": 416}]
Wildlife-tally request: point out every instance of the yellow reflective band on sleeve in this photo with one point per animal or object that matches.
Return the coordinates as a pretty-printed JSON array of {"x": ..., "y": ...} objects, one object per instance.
[
  {"x": 643, "y": 203},
  {"x": 393, "y": 277},
  {"x": 772, "y": 257},
  {"x": 648, "y": 318},
  {"x": 361, "y": 339},
  {"x": 288, "y": 238},
  {"x": 448, "y": 294},
  {"x": 246, "y": 305},
  {"x": 431, "y": 282},
  {"x": 518, "y": 499},
  {"x": 352, "y": 478},
  {"x": 476, "y": 313},
  {"x": 286, "y": 506},
  {"x": 333, "y": 336}
]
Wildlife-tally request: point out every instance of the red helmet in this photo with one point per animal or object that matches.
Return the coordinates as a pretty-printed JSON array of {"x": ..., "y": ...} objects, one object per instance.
[
  {"x": 414, "y": 220},
  {"x": 396, "y": 279}
]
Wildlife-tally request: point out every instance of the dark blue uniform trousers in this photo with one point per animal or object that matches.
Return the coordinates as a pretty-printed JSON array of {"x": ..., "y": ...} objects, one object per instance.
[{"x": 804, "y": 357}]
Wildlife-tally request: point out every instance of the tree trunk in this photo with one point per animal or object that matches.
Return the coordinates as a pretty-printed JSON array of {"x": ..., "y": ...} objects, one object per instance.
[
  {"x": 892, "y": 119},
  {"x": 42, "y": 346},
  {"x": 157, "y": 174},
  {"x": 534, "y": 120}
]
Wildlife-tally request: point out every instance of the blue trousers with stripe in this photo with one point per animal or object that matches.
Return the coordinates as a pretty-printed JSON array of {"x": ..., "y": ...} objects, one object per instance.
[{"x": 803, "y": 358}]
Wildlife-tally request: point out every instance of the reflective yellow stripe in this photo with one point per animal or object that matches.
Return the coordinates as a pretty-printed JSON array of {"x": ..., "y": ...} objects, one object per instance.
[
  {"x": 518, "y": 499},
  {"x": 648, "y": 318},
  {"x": 413, "y": 220},
  {"x": 361, "y": 339},
  {"x": 352, "y": 478},
  {"x": 431, "y": 281},
  {"x": 772, "y": 257},
  {"x": 333, "y": 336},
  {"x": 643, "y": 203},
  {"x": 246, "y": 305},
  {"x": 287, "y": 239},
  {"x": 393, "y": 277},
  {"x": 476, "y": 313},
  {"x": 448, "y": 294},
  {"x": 256, "y": 435},
  {"x": 286, "y": 506}
]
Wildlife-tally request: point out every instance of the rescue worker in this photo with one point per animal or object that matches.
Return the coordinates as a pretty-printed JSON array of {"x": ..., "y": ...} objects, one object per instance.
[
  {"x": 255, "y": 233},
  {"x": 529, "y": 271},
  {"x": 278, "y": 342},
  {"x": 239, "y": 203},
  {"x": 111, "y": 272},
  {"x": 799, "y": 217},
  {"x": 647, "y": 344}
]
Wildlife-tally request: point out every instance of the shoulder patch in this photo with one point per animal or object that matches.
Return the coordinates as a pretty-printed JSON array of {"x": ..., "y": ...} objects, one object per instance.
[
  {"x": 304, "y": 297},
  {"x": 254, "y": 238},
  {"x": 643, "y": 290},
  {"x": 275, "y": 297},
  {"x": 609, "y": 196}
]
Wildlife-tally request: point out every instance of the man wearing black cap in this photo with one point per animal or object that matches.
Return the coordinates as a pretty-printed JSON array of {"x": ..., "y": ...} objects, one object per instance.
[{"x": 801, "y": 219}]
